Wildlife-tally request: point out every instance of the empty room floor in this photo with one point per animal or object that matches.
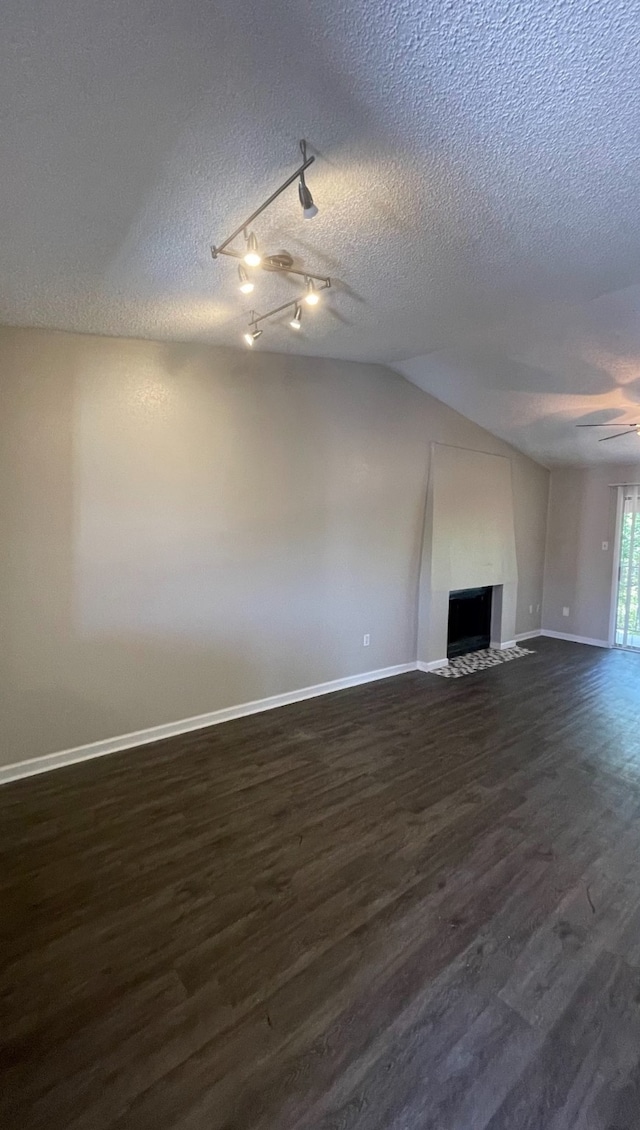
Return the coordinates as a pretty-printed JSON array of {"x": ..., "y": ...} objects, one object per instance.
[{"x": 411, "y": 904}]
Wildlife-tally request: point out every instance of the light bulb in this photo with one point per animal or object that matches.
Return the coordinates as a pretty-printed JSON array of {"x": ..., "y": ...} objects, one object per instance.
[
  {"x": 312, "y": 297},
  {"x": 251, "y": 336},
  {"x": 252, "y": 257},
  {"x": 309, "y": 209},
  {"x": 246, "y": 285},
  {"x": 296, "y": 321}
]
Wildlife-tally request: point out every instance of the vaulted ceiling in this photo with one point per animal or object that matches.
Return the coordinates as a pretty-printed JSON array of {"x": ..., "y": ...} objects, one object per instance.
[{"x": 478, "y": 175}]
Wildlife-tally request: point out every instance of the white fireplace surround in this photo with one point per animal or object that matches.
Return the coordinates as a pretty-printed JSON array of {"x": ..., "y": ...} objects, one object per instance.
[{"x": 468, "y": 542}]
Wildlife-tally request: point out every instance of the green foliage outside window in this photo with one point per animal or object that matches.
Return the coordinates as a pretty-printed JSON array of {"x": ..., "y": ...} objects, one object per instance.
[{"x": 629, "y": 560}]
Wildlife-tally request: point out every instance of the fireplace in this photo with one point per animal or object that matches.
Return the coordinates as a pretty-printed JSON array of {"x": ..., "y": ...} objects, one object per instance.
[
  {"x": 468, "y": 543},
  {"x": 469, "y": 627}
]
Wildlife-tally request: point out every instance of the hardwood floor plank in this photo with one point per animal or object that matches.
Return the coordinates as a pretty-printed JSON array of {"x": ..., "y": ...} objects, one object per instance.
[
  {"x": 589, "y": 919},
  {"x": 574, "y": 1080}
]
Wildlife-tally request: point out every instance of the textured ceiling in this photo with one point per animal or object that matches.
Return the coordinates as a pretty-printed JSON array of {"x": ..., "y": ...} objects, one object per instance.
[{"x": 478, "y": 176}]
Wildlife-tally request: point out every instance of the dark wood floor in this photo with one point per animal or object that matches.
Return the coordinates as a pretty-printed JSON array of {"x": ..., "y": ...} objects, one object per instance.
[{"x": 412, "y": 904}]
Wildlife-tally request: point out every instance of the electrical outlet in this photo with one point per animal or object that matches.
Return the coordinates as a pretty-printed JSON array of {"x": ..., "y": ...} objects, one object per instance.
[
  {"x": 531, "y": 610},
  {"x": 366, "y": 640},
  {"x": 565, "y": 611},
  {"x": 605, "y": 545}
]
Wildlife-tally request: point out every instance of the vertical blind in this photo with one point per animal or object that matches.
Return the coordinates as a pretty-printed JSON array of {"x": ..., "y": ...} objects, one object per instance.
[{"x": 628, "y": 601}]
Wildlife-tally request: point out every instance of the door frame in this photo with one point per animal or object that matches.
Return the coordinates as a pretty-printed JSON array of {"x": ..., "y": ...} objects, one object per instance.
[{"x": 615, "y": 571}]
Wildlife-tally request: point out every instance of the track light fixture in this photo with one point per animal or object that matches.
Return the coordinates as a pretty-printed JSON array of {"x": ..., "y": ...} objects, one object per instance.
[
  {"x": 308, "y": 203},
  {"x": 251, "y": 336},
  {"x": 312, "y": 297},
  {"x": 309, "y": 209},
  {"x": 295, "y": 322},
  {"x": 280, "y": 262},
  {"x": 246, "y": 284},
  {"x": 252, "y": 256}
]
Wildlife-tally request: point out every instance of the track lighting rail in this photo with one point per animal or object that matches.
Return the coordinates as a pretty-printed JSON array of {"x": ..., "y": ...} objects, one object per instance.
[
  {"x": 267, "y": 266},
  {"x": 215, "y": 251},
  {"x": 326, "y": 283}
]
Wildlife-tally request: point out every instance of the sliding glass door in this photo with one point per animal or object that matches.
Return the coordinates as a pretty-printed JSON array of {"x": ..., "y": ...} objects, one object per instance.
[{"x": 627, "y": 619}]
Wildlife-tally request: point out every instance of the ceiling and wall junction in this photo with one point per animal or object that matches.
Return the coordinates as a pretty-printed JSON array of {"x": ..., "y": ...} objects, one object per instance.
[{"x": 477, "y": 173}]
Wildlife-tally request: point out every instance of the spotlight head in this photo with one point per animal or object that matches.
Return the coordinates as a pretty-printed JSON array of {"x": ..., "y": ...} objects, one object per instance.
[
  {"x": 309, "y": 209},
  {"x": 312, "y": 297},
  {"x": 296, "y": 321},
  {"x": 246, "y": 285},
  {"x": 251, "y": 337},
  {"x": 252, "y": 256}
]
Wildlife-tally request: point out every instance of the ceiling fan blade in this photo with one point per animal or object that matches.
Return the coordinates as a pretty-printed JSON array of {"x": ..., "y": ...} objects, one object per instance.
[
  {"x": 614, "y": 425},
  {"x": 616, "y": 436}
]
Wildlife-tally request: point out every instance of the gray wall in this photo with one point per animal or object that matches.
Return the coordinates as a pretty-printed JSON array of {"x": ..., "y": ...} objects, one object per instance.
[
  {"x": 578, "y": 572},
  {"x": 188, "y": 528}
]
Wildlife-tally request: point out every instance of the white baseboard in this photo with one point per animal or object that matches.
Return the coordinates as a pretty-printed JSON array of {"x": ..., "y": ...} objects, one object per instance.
[
  {"x": 201, "y": 721},
  {"x": 502, "y": 646},
  {"x": 433, "y": 665},
  {"x": 528, "y": 635},
  {"x": 574, "y": 639}
]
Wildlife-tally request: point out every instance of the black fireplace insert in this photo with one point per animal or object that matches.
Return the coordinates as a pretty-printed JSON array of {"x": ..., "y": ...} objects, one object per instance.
[{"x": 469, "y": 621}]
